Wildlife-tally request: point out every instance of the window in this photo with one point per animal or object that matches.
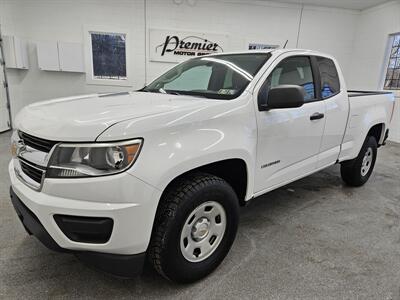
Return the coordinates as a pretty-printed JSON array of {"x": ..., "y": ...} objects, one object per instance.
[
  {"x": 330, "y": 84},
  {"x": 196, "y": 78},
  {"x": 294, "y": 70},
  {"x": 108, "y": 55},
  {"x": 392, "y": 79},
  {"x": 217, "y": 77}
]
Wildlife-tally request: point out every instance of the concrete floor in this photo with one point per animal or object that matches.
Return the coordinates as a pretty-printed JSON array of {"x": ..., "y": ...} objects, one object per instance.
[{"x": 315, "y": 238}]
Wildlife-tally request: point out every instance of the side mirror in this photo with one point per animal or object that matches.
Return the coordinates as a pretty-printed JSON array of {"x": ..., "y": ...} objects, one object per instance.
[{"x": 282, "y": 96}]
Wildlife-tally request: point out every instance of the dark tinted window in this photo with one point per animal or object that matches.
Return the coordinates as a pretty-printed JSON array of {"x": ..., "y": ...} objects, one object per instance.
[
  {"x": 330, "y": 84},
  {"x": 109, "y": 58},
  {"x": 294, "y": 70}
]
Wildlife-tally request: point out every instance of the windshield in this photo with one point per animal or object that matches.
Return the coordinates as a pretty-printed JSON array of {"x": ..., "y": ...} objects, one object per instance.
[{"x": 217, "y": 77}]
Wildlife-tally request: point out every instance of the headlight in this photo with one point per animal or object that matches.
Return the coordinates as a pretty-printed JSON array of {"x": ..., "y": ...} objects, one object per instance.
[{"x": 97, "y": 159}]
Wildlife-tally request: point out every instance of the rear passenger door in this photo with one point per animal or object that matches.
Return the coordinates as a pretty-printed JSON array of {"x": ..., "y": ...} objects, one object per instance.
[{"x": 335, "y": 98}]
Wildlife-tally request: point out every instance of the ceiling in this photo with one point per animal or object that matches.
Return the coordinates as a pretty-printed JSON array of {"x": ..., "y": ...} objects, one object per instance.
[{"x": 348, "y": 4}]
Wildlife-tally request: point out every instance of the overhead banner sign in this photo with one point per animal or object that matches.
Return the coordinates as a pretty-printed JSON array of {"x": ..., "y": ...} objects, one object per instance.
[
  {"x": 260, "y": 46},
  {"x": 176, "y": 46}
]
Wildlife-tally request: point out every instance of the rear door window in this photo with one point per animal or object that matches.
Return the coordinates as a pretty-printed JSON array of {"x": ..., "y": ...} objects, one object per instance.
[{"x": 330, "y": 84}]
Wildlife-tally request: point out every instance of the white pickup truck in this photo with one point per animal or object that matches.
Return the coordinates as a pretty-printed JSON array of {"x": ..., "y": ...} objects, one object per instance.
[{"x": 161, "y": 172}]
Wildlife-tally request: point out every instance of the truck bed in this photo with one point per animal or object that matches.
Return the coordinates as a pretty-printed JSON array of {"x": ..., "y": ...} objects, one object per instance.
[{"x": 366, "y": 109}]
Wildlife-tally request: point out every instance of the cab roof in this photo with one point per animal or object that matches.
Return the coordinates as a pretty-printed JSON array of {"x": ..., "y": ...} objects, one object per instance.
[{"x": 277, "y": 51}]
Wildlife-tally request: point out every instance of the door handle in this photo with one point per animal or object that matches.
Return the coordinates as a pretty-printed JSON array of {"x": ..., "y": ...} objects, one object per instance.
[{"x": 316, "y": 116}]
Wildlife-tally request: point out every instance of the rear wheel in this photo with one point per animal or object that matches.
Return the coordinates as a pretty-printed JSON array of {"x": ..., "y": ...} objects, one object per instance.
[
  {"x": 194, "y": 228},
  {"x": 357, "y": 171}
]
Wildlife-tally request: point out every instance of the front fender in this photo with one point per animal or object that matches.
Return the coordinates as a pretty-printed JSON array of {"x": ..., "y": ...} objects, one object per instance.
[{"x": 177, "y": 143}]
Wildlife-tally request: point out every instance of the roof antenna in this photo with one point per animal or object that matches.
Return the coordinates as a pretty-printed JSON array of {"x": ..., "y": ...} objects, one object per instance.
[{"x": 284, "y": 46}]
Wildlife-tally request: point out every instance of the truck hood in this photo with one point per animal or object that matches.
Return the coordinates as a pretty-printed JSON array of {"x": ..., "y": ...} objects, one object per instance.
[{"x": 84, "y": 118}]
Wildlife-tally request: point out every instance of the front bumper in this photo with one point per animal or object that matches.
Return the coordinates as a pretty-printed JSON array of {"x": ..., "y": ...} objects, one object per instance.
[
  {"x": 119, "y": 265},
  {"x": 132, "y": 211}
]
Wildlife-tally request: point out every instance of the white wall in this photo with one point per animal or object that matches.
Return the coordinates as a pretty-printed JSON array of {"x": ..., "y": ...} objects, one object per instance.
[
  {"x": 43, "y": 20},
  {"x": 325, "y": 29},
  {"x": 369, "y": 61},
  {"x": 243, "y": 21},
  {"x": 330, "y": 31}
]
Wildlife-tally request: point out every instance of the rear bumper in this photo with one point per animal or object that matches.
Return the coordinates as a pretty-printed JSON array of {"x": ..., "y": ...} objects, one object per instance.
[{"x": 116, "y": 264}]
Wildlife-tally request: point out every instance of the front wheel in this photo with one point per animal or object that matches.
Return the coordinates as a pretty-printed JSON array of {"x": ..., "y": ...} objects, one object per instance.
[
  {"x": 356, "y": 172},
  {"x": 195, "y": 227}
]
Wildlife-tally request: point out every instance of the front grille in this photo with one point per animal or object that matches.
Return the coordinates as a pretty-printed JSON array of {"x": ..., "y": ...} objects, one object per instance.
[
  {"x": 33, "y": 172},
  {"x": 36, "y": 143}
]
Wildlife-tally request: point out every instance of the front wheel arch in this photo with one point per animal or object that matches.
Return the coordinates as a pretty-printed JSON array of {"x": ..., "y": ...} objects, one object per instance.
[
  {"x": 234, "y": 171},
  {"x": 185, "y": 194}
]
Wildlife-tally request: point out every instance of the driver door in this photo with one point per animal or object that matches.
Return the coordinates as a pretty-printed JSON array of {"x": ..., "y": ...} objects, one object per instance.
[{"x": 289, "y": 139}]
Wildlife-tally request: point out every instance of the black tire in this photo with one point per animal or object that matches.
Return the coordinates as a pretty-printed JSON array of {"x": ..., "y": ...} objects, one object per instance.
[
  {"x": 351, "y": 171},
  {"x": 179, "y": 201}
]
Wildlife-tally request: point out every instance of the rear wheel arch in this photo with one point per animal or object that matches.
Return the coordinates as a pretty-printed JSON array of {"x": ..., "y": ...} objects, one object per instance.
[
  {"x": 352, "y": 171},
  {"x": 377, "y": 131}
]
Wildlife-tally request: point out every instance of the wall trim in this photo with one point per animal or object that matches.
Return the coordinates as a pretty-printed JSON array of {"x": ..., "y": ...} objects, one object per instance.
[{"x": 379, "y": 6}]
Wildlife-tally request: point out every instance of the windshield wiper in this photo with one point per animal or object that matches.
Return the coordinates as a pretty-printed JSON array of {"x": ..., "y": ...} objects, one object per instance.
[
  {"x": 149, "y": 90},
  {"x": 170, "y": 92},
  {"x": 173, "y": 93},
  {"x": 161, "y": 90}
]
